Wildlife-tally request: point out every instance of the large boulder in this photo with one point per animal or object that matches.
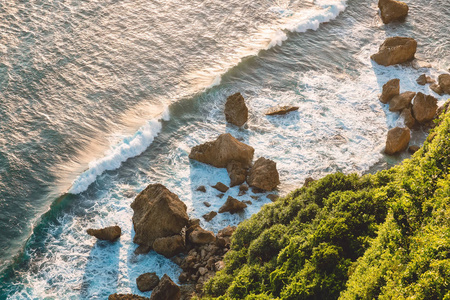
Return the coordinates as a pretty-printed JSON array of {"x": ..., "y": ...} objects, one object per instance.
[
  {"x": 395, "y": 50},
  {"x": 236, "y": 112},
  {"x": 397, "y": 140},
  {"x": 424, "y": 108},
  {"x": 392, "y": 10},
  {"x": 237, "y": 173},
  {"x": 408, "y": 118},
  {"x": 111, "y": 233},
  {"x": 390, "y": 89},
  {"x": 169, "y": 246},
  {"x": 232, "y": 206},
  {"x": 201, "y": 236},
  {"x": 264, "y": 175},
  {"x": 157, "y": 213},
  {"x": 402, "y": 101},
  {"x": 147, "y": 282},
  {"x": 444, "y": 83},
  {"x": 222, "y": 151},
  {"x": 166, "y": 290}
]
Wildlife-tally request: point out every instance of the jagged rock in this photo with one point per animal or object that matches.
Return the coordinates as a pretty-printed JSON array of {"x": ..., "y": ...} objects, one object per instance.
[
  {"x": 424, "y": 79},
  {"x": 397, "y": 140},
  {"x": 232, "y": 206},
  {"x": 392, "y": 10},
  {"x": 201, "y": 236},
  {"x": 395, "y": 50},
  {"x": 413, "y": 149},
  {"x": 157, "y": 213},
  {"x": 390, "y": 89},
  {"x": 236, "y": 112},
  {"x": 202, "y": 189},
  {"x": 272, "y": 197},
  {"x": 221, "y": 187},
  {"x": 166, "y": 290},
  {"x": 280, "y": 110},
  {"x": 402, "y": 101},
  {"x": 207, "y": 204},
  {"x": 424, "y": 108},
  {"x": 264, "y": 175},
  {"x": 408, "y": 118},
  {"x": 437, "y": 89},
  {"x": 147, "y": 282},
  {"x": 111, "y": 233},
  {"x": 444, "y": 83},
  {"x": 222, "y": 151},
  {"x": 237, "y": 173},
  {"x": 209, "y": 216},
  {"x": 126, "y": 297},
  {"x": 169, "y": 246}
]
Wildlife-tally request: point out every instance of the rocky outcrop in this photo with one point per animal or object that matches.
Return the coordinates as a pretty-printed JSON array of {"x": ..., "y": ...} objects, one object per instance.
[
  {"x": 424, "y": 108},
  {"x": 126, "y": 297},
  {"x": 111, "y": 233},
  {"x": 424, "y": 79},
  {"x": 166, "y": 290},
  {"x": 222, "y": 151},
  {"x": 209, "y": 216},
  {"x": 147, "y": 282},
  {"x": 236, "y": 112},
  {"x": 221, "y": 187},
  {"x": 402, "y": 101},
  {"x": 158, "y": 213},
  {"x": 408, "y": 118},
  {"x": 280, "y": 110},
  {"x": 237, "y": 173},
  {"x": 390, "y": 89},
  {"x": 397, "y": 140},
  {"x": 395, "y": 50},
  {"x": 264, "y": 175},
  {"x": 201, "y": 236},
  {"x": 392, "y": 10},
  {"x": 444, "y": 83},
  {"x": 169, "y": 246},
  {"x": 232, "y": 206}
]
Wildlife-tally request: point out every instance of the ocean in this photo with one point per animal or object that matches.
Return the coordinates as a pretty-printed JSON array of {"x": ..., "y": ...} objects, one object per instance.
[{"x": 99, "y": 98}]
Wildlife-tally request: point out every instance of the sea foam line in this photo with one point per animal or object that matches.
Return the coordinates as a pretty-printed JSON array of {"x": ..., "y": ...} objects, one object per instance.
[{"x": 129, "y": 147}]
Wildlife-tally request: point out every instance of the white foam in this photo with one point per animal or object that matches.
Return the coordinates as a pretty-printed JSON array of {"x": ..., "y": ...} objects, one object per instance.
[{"x": 114, "y": 157}]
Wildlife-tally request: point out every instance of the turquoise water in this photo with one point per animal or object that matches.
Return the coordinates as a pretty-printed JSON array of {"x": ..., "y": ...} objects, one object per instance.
[{"x": 103, "y": 98}]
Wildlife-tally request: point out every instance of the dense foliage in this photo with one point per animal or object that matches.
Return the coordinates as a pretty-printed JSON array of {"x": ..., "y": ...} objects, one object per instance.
[{"x": 379, "y": 236}]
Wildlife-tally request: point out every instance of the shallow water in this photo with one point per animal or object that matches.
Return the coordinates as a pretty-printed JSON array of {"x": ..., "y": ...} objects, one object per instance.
[{"x": 114, "y": 94}]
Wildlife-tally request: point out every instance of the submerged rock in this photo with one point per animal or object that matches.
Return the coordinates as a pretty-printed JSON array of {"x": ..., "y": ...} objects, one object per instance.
[
  {"x": 236, "y": 112},
  {"x": 424, "y": 108},
  {"x": 280, "y": 110},
  {"x": 397, "y": 140},
  {"x": 392, "y": 10},
  {"x": 111, "y": 233},
  {"x": 157, "y": 213},
  {"x": 264, "y": 175},
  {"x": 147, "y": 282},
  {"x": 395, "y": 50},
  {"x": 166, "y": 290},
  {"x": 402, "y": 101},
  {"x": 232, "y": 206},
  {"x": 222, "y": 151},
  {"x": 444, "y": 83},
  {"x": 390, "y": 89}
]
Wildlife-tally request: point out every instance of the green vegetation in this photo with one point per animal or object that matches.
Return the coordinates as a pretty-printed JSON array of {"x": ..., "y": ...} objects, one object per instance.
[{"x": 382, "y": 236}]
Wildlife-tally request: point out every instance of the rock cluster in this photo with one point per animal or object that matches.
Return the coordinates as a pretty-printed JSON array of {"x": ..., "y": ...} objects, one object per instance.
[{"x": 395, "y": 50}]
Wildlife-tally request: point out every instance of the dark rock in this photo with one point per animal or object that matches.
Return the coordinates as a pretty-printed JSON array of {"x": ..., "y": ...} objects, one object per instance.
[
  {"x": 221, "y": 187},
  {"x": 222, "y": 151},
  {"x": 242, "y": 193},
  {"x": 183, "y": 277},
  {"x": 147, "y": 282},
  {"x": 408, "y": 118},
  {"x": 424, "y": 79},
  {"x": 236, "y": 112},
  {"x": 437, "y": 89},
  {"x": 424, "y": 108},
  {"x": 111, "y": 233},
  {"x": 142, "y": 249},
  {"x": 201, "y": 236},
  {"x": 395, "y": 50},
  {"x": 207, "y": 204},
  {"x": 397, "y": 140},
  {"x": 194, "y": 222},
  {"x": 413, "y": 149},
  {"x": 232, "y": 206},
  {"x": 209, "y": 216},
  {"x": 402, "y": 101},
  {"x": 157, "y": 213},
  {"x": 169, "y": 246},
  {"x": 237, "y": 173},
  {"x": 187, "y": 291},
  {"x": 390, "y": 89},
  {"x": 444, "y": 83},
  {"x": 220, "y": 196},
  {"x": 243, "y": 187},
  {"x": 392, "y": 10},
  {"x": 202, "y": 189},
  {"x": 264, "y": 175},
  {"x": 281, "y": 110},
  {"x": 272, "y": 197},
  {"x": 126, "y": 297},
  {"x": 166, "y": 290}
]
